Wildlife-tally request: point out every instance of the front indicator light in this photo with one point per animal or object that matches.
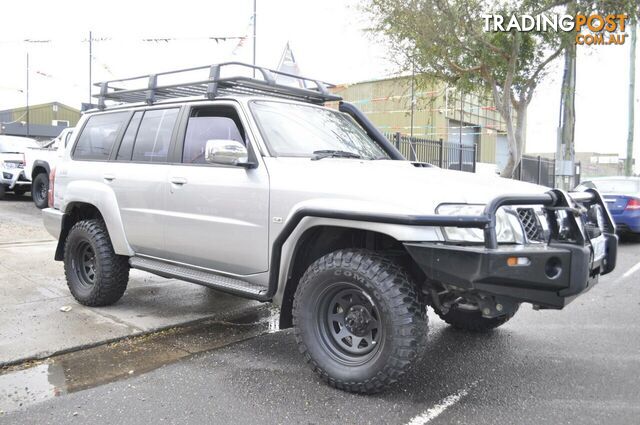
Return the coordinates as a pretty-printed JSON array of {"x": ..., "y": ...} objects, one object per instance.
[{"x": 518, "y": 261}]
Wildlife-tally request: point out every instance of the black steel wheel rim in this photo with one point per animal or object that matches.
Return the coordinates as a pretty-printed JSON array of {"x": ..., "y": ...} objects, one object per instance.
[
  {"x": 349, "y": 324},
  {"x": 85, "y": 263},
  {"x": 41, "y": 191}
]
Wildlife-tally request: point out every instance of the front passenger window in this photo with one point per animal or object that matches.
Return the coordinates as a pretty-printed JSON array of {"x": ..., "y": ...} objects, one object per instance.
[{"x": 209, "y": 124}]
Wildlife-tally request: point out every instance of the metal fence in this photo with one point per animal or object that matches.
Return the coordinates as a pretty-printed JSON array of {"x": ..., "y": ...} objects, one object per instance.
[
  {"x": 535, "y": 169},
  {"x": 452, "y": 156}
]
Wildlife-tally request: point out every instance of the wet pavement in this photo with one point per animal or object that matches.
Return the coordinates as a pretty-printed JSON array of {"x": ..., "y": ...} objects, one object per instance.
[
  {"x": 33, "y": 290},
  {"x": 37, "y": 381}
]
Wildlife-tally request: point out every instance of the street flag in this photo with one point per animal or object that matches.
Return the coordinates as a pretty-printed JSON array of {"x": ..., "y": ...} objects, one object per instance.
[{"x": 289, "y": 65}]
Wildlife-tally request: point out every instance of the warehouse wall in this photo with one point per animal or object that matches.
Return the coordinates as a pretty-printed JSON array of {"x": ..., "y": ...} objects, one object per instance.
[{"x": 388, "y": 104}]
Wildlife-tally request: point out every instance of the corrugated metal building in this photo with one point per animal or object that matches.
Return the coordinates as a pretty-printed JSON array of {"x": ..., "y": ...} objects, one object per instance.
[
  {"x": 440, "y": 113},
  {"x": 45, "y": 121}
]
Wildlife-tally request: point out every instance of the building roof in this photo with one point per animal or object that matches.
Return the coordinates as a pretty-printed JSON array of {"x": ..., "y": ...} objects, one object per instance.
[{"x": 40, "y": 105}]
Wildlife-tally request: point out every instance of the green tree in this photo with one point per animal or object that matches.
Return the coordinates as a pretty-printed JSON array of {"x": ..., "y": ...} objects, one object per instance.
[{"x": 445, "y": 39}]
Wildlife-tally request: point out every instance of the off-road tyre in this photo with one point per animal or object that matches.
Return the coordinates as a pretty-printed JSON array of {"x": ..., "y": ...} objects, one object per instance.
[
  {"x": 95, "y": 274},
  {"x": 400, "y": 334},
  {"x": 473, "y": 321},
  {"x": 39, "y": 190}
]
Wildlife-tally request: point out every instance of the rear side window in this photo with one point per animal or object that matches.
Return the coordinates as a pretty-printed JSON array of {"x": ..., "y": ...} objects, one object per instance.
[
  {"x": 126, "y": 147},
  {"x": 154, "y": 135},
  {"x": 98, "y": 136}
]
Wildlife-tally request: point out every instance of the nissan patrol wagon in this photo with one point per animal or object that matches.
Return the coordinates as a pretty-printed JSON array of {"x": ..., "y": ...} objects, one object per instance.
[{"x": 257, "y": 189}]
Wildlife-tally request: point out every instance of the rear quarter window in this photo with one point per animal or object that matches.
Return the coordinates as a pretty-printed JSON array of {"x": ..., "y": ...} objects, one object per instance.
[{"x": 99, "y": 135}]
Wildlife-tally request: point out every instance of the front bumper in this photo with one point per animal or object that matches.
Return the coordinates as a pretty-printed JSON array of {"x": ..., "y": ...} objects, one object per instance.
[
  {"x": 12, "y": 177},
  {"x": 552, "y": 274}
]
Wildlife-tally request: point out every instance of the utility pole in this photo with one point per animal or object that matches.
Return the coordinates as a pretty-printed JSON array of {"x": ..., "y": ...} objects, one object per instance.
[
  {"x": 90, "y": 62},
  {"x": 27, "y": 92},
  {"x": 254, "y": 36},
  {"x": 413, "y": 93},
  {"x": 628, "y": 164},
  {"x": 565, "y": 151}
]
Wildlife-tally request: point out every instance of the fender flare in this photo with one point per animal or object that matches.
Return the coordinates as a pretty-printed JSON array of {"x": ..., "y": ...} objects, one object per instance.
[
  {"x": 40, "y": 164},
  {"x": 104, "y": 199},
  {"x": 364, "y": 221}
]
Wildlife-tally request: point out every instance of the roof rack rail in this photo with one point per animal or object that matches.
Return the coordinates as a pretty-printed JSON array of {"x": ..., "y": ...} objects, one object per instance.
[{"x": 213, "y": 86}]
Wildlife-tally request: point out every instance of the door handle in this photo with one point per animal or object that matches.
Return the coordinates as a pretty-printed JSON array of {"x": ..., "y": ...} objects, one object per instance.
[
  {"x": 109, "y": 177},
  {"x": 178, "y": 180}
]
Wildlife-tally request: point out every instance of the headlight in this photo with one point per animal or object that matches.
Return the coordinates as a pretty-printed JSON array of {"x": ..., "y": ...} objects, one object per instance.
[
  {"x": 508, "y": 229},
  {"x": 8, "y": 165}
]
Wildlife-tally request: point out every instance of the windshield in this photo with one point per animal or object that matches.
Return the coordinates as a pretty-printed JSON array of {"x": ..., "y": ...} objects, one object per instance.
[
  {"x": 617, "y": 186},
  {"x": 298, "y": 130}
]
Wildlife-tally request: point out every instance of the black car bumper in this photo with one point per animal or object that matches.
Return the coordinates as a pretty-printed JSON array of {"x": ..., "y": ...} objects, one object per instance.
[{"x": 552, "y": 274}]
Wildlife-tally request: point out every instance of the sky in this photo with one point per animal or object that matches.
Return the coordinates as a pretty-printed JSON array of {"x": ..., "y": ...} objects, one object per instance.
[{"x": 329, "y": 39}]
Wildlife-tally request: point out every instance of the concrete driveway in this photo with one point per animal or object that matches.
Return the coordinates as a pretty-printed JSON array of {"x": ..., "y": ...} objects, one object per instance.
[{"x": 33, "y": 290}]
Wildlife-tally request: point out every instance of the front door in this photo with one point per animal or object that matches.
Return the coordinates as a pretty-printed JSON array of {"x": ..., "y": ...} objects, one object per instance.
[{"x": 217, "y": 216}]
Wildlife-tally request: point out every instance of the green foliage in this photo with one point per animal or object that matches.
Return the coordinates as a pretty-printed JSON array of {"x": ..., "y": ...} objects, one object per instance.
[{"x": 446, "y": 40}]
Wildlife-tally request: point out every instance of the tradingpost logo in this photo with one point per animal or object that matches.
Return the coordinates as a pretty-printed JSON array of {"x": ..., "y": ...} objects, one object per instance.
[{"x": 600, "y": 29}]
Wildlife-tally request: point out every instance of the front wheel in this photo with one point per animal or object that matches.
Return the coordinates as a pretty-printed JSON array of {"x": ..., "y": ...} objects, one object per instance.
[
  {"x": 358, "y": 321},
  {"x": 3, "y": 190},
  {"x": 39, "y": 190}
]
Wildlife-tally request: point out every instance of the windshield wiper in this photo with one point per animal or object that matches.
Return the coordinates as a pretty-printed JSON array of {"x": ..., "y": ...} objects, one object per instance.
[{"x": 333, "y": 154}]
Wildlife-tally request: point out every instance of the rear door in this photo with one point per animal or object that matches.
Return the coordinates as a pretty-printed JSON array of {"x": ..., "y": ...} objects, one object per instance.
[
  {"x": 217, "y": 216},
  {"x": 139, "y": 177}
]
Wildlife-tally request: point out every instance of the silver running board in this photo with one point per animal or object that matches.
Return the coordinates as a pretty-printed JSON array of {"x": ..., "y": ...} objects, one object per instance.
[{"x": 212, "y": 280}]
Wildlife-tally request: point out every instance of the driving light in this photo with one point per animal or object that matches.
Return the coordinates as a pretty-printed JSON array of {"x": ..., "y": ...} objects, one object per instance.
[
  {"x": 508, "y": 229},
  {"x": 596, "y": 216}
]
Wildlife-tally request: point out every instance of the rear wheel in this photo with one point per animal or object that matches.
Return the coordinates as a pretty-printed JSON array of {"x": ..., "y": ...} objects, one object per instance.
[
  {"x": 467, "y": 316},
  {"x": 96, "y": 275},
  {"x": 39, "y": 190},
  {"x": 358, "y": 321}
]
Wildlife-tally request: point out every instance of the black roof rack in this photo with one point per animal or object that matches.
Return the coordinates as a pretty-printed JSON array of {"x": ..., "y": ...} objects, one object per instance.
[{"x": 215, "y": 85}]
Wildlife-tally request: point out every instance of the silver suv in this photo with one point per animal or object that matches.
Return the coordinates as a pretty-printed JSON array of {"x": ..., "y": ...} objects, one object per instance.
[{"x": 252, "y": 187}]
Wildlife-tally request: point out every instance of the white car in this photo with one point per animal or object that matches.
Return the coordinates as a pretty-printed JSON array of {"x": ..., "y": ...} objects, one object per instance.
[
  {"x": 39, "y": 161},
  {"x": 12, "y": 164}
]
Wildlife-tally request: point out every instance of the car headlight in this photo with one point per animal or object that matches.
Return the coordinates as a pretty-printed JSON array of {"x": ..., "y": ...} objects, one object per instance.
[
  {"x": 508, "y": 229},
  {"x": 8, "y": 165}
]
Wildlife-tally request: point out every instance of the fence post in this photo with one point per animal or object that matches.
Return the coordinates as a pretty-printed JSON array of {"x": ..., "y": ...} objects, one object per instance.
[
  {"x": 520, "y": 169},
  {"x": 441, "y": 156},
  {"x": 539, "y": 169},
  {"x": 475, "y": 153},
  {"x": 397, "y": 140}
]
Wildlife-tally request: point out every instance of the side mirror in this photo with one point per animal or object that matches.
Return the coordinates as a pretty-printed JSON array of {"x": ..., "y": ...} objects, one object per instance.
[{"x": 227, "y": 152}]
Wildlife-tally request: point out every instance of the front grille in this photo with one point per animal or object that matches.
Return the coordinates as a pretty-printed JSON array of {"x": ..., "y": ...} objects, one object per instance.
[{"x": 530, "y": 223}]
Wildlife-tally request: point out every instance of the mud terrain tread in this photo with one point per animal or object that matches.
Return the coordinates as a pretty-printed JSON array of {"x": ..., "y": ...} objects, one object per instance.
[
  {"x": 387, "y": 279},
  {"x": 113, "y": 272}
]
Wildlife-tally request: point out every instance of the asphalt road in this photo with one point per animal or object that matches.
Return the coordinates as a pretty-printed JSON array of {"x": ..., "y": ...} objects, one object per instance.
[{"x": 579, "y": 365}]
